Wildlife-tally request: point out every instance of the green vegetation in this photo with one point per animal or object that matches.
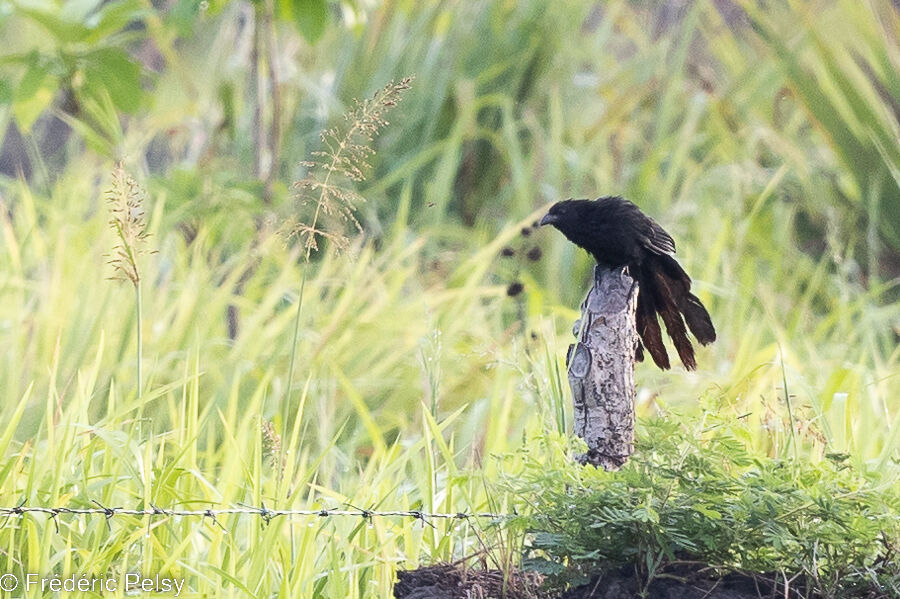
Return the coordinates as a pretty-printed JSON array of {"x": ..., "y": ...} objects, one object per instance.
[
  {"x": 697, "y": 499},
  {"x": 766, "y": 143}
]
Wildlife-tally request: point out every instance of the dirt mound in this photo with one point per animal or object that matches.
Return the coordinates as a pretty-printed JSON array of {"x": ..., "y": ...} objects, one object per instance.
[{"x": 448, "y": 581}]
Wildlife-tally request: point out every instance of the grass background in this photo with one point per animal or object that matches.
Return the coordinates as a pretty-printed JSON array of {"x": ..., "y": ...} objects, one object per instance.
[{"x": 764, "y": 141}]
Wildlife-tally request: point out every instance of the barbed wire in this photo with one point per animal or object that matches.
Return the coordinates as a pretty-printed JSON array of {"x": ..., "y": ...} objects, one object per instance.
[{"x": 267, "y": 514}]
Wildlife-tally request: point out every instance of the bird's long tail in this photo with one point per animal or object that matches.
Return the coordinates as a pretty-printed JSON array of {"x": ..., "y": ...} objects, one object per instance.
[{"x": 665, "y": 290}]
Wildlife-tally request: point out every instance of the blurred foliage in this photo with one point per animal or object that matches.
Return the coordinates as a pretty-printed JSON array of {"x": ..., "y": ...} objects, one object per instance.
[
  {"x": 656, "y": 100},
  {"x": 76, "y": 55},
  {"x": 842, "y": 71}
]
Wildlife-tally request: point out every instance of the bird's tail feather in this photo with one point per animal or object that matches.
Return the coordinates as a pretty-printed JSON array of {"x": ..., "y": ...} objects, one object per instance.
[
  {"x": 665, "y": 290},
  {"x": 667, "y": 305},
  {"x": 697, "y": 319},
  {"x": 696, "y": 316},
  {"x": 648, "y": 327}
]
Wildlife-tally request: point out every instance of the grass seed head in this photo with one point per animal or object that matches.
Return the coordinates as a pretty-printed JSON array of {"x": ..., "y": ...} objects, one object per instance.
[
  {"x": 126, "y": 200},
  {"x": 328, "y": 191},
  {"x": 272, "y": 444}
]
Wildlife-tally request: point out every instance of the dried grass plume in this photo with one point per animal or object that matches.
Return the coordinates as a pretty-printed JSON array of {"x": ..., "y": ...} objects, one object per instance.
[{"x": 329, "y": 186}]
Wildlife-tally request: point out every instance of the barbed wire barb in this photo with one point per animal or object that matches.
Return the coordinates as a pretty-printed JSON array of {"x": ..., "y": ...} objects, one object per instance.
[
  {"x": 107, "y": 511},
  {"x": 265, "y": 513},
  {"x": 212, "y": 516}
]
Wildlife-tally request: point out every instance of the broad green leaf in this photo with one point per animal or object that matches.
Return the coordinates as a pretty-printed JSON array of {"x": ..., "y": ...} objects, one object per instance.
[
  {"x": 34, "y": 94},
  {"x": 112, "y": 18},
  {"x": 111, "y": 69},
  {"x": 61, "y": 29},
  {"x": 310, "y": 16}
]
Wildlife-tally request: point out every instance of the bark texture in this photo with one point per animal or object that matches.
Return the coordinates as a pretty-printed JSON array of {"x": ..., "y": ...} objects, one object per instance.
[{"x": 601, "y": 369}]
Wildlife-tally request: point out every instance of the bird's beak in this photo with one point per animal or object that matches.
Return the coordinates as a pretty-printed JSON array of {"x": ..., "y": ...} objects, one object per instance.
[{"x": 548, "y": 219}]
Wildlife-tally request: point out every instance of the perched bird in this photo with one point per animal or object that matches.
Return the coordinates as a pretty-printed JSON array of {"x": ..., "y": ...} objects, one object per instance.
[{"x": 617, "y": 234}]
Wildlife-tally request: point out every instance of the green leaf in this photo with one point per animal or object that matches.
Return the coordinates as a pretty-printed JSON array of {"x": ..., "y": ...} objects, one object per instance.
[
  {"x": 183, "y": 15},
  {"x": 111, "y": 69},
  {"x": 6, "y": 92},
  {"x": 34, "y": 94},
  {"x": 310, "y": 16},
  {"x": 61, "y": 29},
  {"x": 112, "y": 18},
  {"x": 708, "y": 512}
]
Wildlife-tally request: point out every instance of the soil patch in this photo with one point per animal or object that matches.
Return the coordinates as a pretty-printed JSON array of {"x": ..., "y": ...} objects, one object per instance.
[{"x": 448, "y": 581}]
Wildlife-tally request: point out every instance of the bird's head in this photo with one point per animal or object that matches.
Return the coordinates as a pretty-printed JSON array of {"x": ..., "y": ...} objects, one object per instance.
[
  {"x": 573, "y": 219},
  {"x": 565, "y": 214}
]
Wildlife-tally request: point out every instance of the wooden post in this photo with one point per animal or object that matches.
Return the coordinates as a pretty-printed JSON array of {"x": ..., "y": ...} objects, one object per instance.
[{"x": 601, "y": 369}]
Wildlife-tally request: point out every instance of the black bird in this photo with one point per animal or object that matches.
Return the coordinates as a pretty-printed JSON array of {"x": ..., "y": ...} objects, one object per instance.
[{"x": 617, "y": 234}]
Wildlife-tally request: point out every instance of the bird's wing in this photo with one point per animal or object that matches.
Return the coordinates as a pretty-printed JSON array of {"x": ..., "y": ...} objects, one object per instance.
[
  {"x": 650, "y": 234},
  {"x": 644, "y": 229},
  {"x": 656, "y": 239}
]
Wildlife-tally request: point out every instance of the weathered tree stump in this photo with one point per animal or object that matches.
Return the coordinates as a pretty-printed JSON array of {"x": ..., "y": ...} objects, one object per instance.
[{"x": 601, "y": 369}]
